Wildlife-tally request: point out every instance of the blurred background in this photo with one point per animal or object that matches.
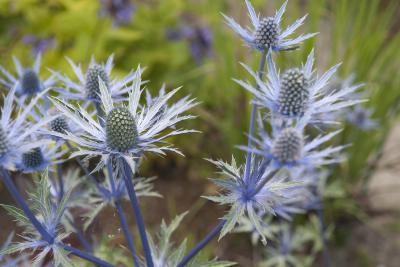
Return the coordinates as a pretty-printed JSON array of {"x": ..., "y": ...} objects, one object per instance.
[{"x": 186, "y": 43}]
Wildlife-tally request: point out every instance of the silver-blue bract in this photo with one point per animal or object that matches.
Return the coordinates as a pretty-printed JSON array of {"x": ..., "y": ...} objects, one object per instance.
[
  {"x": 40, "y": 157},
  {"x": 152, "y": 128},
  {"x": 87, "y": 87},
  {"x": 299, "y": 95},
  {"x": 267, "y": 33},
  {"x": 15, "y": 134},
  {"x": 263, "y": 191},
  {"x": 27, "y": 82},
  {"x": 284, "y": 151}
]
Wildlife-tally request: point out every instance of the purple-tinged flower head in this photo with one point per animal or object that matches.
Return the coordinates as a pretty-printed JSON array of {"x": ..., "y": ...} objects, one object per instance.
[
  {"x": 121, "y": 11},
  {"x": 269, "y": 228},
  {"x": 15, "y": 134},
  {"x": 285, "y": 248},
  {"x": 267, "y": 33},
  {"x": 39, "y": 45},
  {"x": 299, "y": 96},
  {"x": 88, "y": 88},
  {"x": 27, "y": 82},
  {"x": 289, "y": 148},
  {"x": 49, "y": 213},
  {"x": 40, "y": 158},
  {"x": 360, "y": 117},
  {"x": 129, "y": 128},
  {"x": 199, "y": 38},
  {"x": 263, "y": 190}
]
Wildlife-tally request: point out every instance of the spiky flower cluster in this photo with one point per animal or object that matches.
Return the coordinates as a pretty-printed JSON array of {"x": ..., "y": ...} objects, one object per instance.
[
  {"x": 267, "y": 33},
  {"x": 30, "y": 83},
  {"x": 93, "y": 74},
  {"x": 33, "y": 158},
  {"x": 288, "y": 146},
  {"x": 105, "y": 121},
  {"x": 59, "y": 125},
  {"x": 121, "y": 129},
  {"x": 294, "y": 94}
]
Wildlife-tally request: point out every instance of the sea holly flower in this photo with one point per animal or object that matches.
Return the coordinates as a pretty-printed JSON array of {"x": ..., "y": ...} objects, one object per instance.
[
  {"x": 286, "y": 250},
  {"x": 15, "y": 134},
  {"x": 263, "y": 191},
  {"x": 50, "y": 214},
  {"x": 360, "y": 117},
  {"x": 164, "y": 253},
  {"x": 199, "y": 39},
  {"x": 129, "y": 130},
  {"x": 40, "y": 158},
  {"x": 288, "y": 147},
  {"x": 27, "y": 82},
  {"x": 267, "y": 33},
  {"x": 121, "y": 11},
  {"x": 101, "y": 196},
  {"x": 270, "y": 229},
  {"x": 299, "y": 94},
  {"x": 87, "y": 87}
]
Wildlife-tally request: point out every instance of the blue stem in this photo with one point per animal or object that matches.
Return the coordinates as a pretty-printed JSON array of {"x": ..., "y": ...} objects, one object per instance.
[
  {"x": 253, "y": 118},
  {"x": 86, "y": 256},
  {"x": 21, "y": 202},
  {"x": 60, "y": 181},
  {"x": 121, "y": 216},
  {"x": 128, "y": 176},
  {"x": 214, "y": 232},
  {"x": 39, "y": 227}
]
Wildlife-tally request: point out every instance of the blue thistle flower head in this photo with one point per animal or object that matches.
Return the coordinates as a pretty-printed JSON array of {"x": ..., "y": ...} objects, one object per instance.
[
  {"x": 87, "y": 86},
  {"x": 27, "y": 82},
  {"x": 299, "y": 96},
  {"x": 287, "y": 147},
  {"x": 262, "y": 192},
  {"x": 16, "y": 134},
  {"x": 360, "y": 117},
  {"x": 267, "y": 33},
  {"x": 129, "y": 129},
  {"x": 121, "y": 11},
  {"x": 40, "y": 158}
]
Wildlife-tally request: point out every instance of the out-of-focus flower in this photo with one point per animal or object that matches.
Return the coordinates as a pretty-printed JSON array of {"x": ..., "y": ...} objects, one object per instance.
[
  {"x": 27, "y": 82},
  {"x": 128, "y": 131},
  {"x": 88, "y": 88},
  {"x": 199, "y": 39},
  {"x": 263, "y": 190},
  {"x": 267, "y": 32},
  {"x": 40, "y": 158},
  {"x": 360, "y": 117},
  {"x": 299, "y": 94},
  {"x": 39, "y": 45},
  {"x": 121, "y": 11},
  {"x": 15, "y": 135},
  {"x": 165, "y": 254}
]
